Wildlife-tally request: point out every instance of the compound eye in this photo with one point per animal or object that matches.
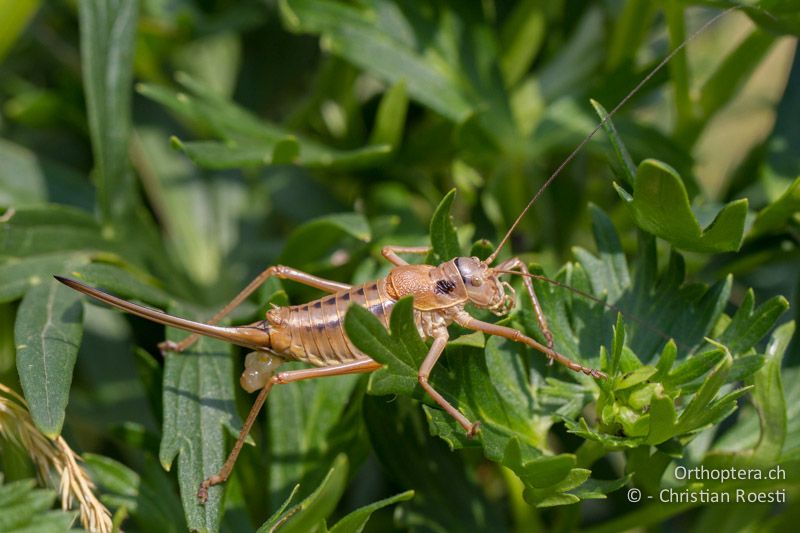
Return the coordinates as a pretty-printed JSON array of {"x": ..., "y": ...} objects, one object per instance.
[{"x": 476, "y": 282}]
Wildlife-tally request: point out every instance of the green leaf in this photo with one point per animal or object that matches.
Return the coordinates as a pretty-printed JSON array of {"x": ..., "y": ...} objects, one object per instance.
[
  {"x": 581, "y": 56},
  {"x": 353, "y": 33},
  {"x": 776, "y": 15},
  {"x": 24, "y": 508},
  {"x": 662, "y": 419},
  {"x": 749, "y": 326},
  {"x": 273, "y": 519},
  {"x": 791, "y": 444},
  {"x": 692, "y": 368},
  {"x": 214, "y": 58},
  {"x": 609, "y": 272},
  {"x": 648, "y": 465},
  {"x": 402, "y": 350},
  {"x": 107, "y": 49},
  {"x": 696, "y": 414},
  {"x": 198, "y": 411},
  {"x": 451, "y": 500},
  {"x": 51, "y": 228},
  {"x": 247, "y": 140},
  {"x": 286, "y": 151},
  {"x": 191, "y": 209},
  {"x": 308, "y": 428},
  {"x": 355, "y": 521},
  {"x": 541, "y": 472},
  {"x": 122, "y": 282},
  {"x": 311, "y": 513},
  {"x": 313, "y": 244},
  {"x": 481, "y": 249},
  {"x": 391, "y": 117},
  {"x": 666, "y": 360},
  {"x": 624, "y": 160},
  {"x": 769, "y": 398},
  {"x": 737, "y": 68},
  {"x": 661, "y": 207},
  {"x": 147, "y": 497},
  {"x": 19, "y": 275},
  {"x": 28, "y": 178},
  {"x": 634, "y": 377},
  {"x": 521, "y": 39},
  {"x": 14, "y": 17},
  {"x": 617, "y": 346},
  {"x": 630, "y": 29},
  {"x": 596, "y": 489},
  {"x": 777, "y": 213},
  {"x": 235, "y": 154},
  {"x": 558, "y": 494},
  {"x": 47, "y": 334},
  {"x": 444, "y": 237}
]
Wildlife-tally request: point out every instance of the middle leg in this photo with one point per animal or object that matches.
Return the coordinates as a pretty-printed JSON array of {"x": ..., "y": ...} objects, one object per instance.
[
  {"x": 390, "y": 253},
  {"x": 439, "y": 343}
]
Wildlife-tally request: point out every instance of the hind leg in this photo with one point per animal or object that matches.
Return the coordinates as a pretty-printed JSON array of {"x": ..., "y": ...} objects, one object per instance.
[
  {"x": 365, "y": 365},
  {"x": 279, "y": 271}
]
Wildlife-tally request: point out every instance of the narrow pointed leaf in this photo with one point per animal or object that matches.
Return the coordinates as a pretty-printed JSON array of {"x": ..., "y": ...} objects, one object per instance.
[
  {"x": 444, "y": 237},
  {"x": 25, "y": 508},
  {"x": 356, "y": 520},
  {"x": 748, "y": 326},
  {"x": 391, "y": 118},
  {"x": 147, "y": 496},
  {"x": 306, "y": 423},
  {"x": 47, "y": 335},
  {"x": 311, "y": 512},
  {"x": 107, "y": 49},
  {"x": 624, "y": 160},
  {"x": 198, "y": 411},
  {"x": 776, "y": 214},
  {"x": 351, "y": 33},
  {"x": 769, "y": 398}
]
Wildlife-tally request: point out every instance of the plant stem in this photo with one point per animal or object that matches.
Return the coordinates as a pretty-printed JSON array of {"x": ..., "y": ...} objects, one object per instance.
[{"x": 679, "y": 68}]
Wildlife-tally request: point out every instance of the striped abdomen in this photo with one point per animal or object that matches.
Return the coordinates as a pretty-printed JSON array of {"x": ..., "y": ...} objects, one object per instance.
[{"x": 314, "y": 332}]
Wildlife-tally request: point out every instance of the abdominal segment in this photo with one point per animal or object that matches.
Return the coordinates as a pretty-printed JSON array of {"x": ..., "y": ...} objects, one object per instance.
[{"x": 314, "y": 332}]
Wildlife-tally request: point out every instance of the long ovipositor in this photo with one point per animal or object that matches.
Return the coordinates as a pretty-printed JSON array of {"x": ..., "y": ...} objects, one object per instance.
[
  {"x": 311, "y": 332},
  {"x": 252, "y": 336}
]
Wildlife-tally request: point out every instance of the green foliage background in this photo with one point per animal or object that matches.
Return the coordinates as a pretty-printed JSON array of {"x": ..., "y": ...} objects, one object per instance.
[{"x": 170, "y": 151}]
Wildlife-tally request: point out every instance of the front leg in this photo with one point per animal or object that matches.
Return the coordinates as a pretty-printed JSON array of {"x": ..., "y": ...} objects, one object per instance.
[
  {"x": 466, "y": 320},
  {"x": 439, "y": 342},
  {"x": 517, "y": 263}
]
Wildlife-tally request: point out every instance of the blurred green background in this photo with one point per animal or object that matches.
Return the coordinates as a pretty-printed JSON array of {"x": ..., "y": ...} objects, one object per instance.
[{"x": 169, "y": 151}]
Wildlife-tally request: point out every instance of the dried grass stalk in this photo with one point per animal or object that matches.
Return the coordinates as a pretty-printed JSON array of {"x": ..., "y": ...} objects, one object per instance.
[{"x": 53, "y": 456}]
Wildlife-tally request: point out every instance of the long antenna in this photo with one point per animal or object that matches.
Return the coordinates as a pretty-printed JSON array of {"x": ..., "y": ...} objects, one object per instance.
[
  {"x": 571, "y": 156},
  {"x": 664, "y": 335}
]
